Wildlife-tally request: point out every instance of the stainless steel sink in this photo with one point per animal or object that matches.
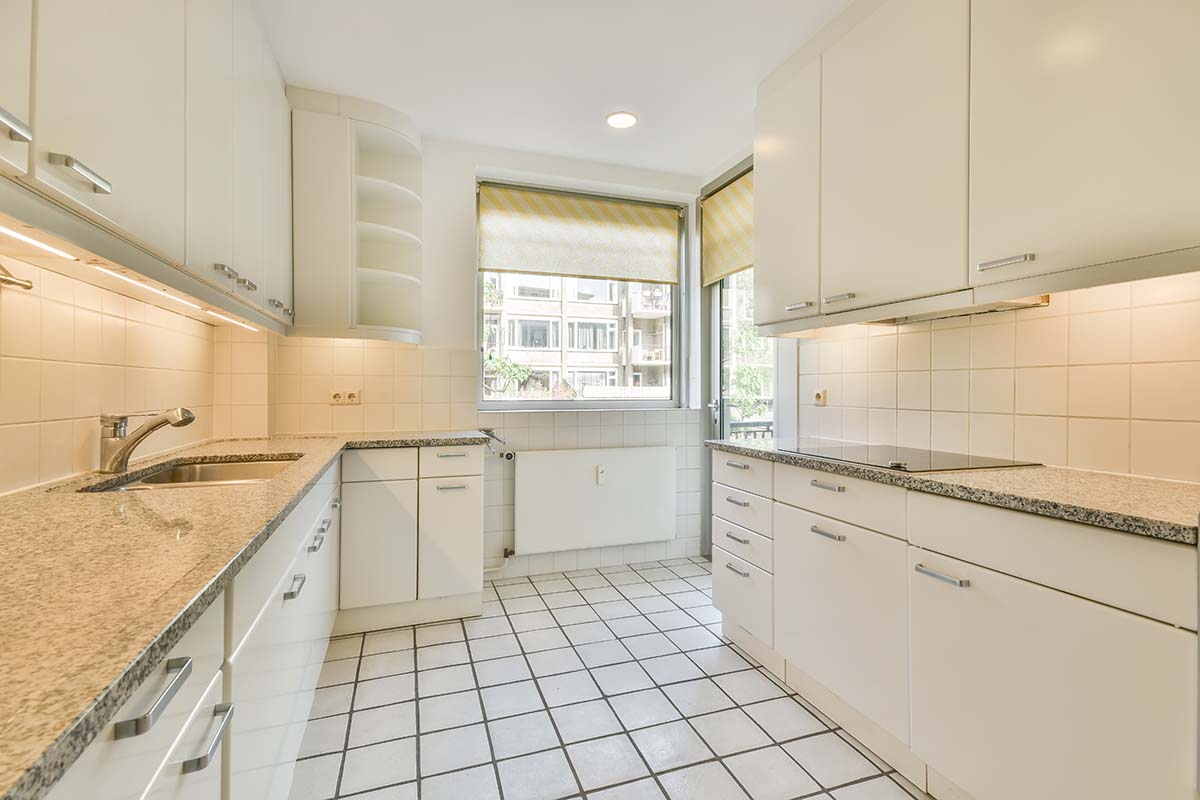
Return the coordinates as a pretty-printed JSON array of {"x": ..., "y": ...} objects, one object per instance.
[{"x": 208, "y": 473}]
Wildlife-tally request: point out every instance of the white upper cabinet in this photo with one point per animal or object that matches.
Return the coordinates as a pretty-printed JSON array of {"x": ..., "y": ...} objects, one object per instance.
[
  {"x": 787, "y": 191},
  {"x": 894, "y": 156},
  {"x": 210, "y": 139},
  {"x": 16, "y": 43},
  {"x": 110, "y": 115},
  {"x": 1084, "y": 131}
]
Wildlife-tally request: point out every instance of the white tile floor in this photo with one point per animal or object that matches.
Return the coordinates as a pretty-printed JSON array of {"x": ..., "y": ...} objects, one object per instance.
[{"x": 611, "y": 684}]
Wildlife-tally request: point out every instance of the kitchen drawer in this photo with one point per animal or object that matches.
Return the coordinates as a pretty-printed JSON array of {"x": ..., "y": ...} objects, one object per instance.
[
  {"x": 382, "y": 464},
  {"x": 745, "y": 544},
  {"x": 860, "y": 502},
  {"x": 442, "y": 462},
  {"x": 252, "y": 586},
  {"x": 198, "y": 750},
  {"x": 742, "y": 508},
  {"x": 1151, "y": 577},
  {"x": 743, "y": 594},
  {"x": 112, "y": 768},
  {"x": 748, "y": 474}
]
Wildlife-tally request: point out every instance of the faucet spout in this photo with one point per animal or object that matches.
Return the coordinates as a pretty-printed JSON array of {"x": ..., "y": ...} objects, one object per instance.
[{"x": 116, "y": 447}]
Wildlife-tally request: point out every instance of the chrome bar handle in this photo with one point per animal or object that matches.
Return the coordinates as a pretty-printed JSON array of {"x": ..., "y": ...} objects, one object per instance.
[
  {"x": 298, "y": 582},
  {"x": 983, "y": 266},
  {"x": 829, "y": 487},
  {"x": 837, "y": 537},
  {"x": 18, "y": 131},
  {"x": 248, "y": 284},
  {"x": 452, "y": 487},
  {"x": 451, "y": 455},
  {"x": 961, "y": 583},
  {"x": 337, "y": 503},
  {"x": 317, "y": 542},
  {"x": 226, "y": 270},
  {"x": 128, "y": 728},
  {"x": 736, "y": 571},
  {"x": 798, "y": 306},
  {"x": 8, "y": 279},
  {"x": 225, "y": 712},
  {"x": 100, "y": 184},
  {"x": 729, "y": 535},
  {"x": 738, "y": 503},
  {"x": 837, "y": 298},
  {"x": 737, "y": 465},
  {"x": 325, "y": 525}
]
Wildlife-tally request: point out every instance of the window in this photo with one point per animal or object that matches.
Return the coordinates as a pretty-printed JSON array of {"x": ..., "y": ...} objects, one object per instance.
[
  {"x": 592, "y": 335},
  {"x": 578, "y": 298}
]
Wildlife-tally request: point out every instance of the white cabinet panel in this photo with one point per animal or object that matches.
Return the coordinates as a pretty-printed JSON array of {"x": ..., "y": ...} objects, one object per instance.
[
  {"x": 209, "y": 139},
  {"x": 855, "y": 500},
  {"x": 379, "y": 464},
  {"x": 450, "y": 542},
  {"x": 110, "y": 98},
  {"x": 846, "y": 591},
  {"x": 742, "y": 593},
  {"x": 742, "y": 508},
  {"x": 1083, "y": 132},
  {"x": 894, "y": 156},
  {"x": 16, "y": 47},
  {"x": 787, "y": 195},
  {"x": 379, "y": 543},
  {"x": 1023, "y": 691},
  {"x": 198, "y": 750},
  {"x": 745, "y": 544},
  {"x": 439, "y": 462},
  {"x": 748, "y": 474}
]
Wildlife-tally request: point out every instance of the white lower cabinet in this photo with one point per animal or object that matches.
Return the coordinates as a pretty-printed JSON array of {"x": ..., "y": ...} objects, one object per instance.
[
  {"x": 379, "y": 547},
  {"x": 1019, "y": 690},
  {"x": 742, "y": 593},
  {"x": 193, "y": 768},
  {"x": 450, "y": 547},
  {"x": 846, "y": 594}
]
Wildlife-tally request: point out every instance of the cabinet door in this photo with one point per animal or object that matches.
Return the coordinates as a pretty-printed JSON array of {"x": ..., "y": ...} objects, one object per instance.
[
  {"x": 110, "y": 115},
  {"x": 254, "y": 84},
  {"x": 1083, "y": 132},
  {"x": 450, "y": 552},
  {"x": 846, "y": 589},
  {"x": 280, "y": 284},
  {"x": 16, "y": 46},
  {"x": 787, "y": 196},
  {"x": 894, "y": 156},
  {"x": 379, "y": 543},
  {"x": 204, "y": 731},
  {"x": 210, "y": 139},
  {"x": 742, "y": 593},
  {"x": 1023, "y": 691}
]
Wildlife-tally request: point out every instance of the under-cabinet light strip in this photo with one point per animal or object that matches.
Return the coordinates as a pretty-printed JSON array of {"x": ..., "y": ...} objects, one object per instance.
[
  {"x": 231, "y": 320},
  {"x": 147, "y": 287},
  {"x": 27, "y": 240}
]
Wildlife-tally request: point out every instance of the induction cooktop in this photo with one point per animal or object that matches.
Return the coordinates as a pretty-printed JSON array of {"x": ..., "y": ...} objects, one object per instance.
[{"x": 903, "y": 459}]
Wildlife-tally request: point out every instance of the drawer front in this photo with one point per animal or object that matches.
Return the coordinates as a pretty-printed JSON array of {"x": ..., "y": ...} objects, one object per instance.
[
  {"x": 253, "y": 585},
  {"x": 1147, "y": 576},
  {"x": 112, "y": 767},
  {"x": 865, "y": 503},
  {"x": 383, "y": 464},
  {"x": 748, "y": 474},
  {"x": 745, "y": 544},
  {"x": 198, "y": 750},
  {"x": 742, "y": 593},
  {"x": 450, "y": 537},
  {"x": 742, "y": 508},
  {"x": 441, "y": 462}
]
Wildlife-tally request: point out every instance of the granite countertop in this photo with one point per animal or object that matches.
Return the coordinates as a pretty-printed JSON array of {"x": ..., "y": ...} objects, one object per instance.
[
  {"x": 97, "y": 587},
  {"x": 1161, "y": 509}
]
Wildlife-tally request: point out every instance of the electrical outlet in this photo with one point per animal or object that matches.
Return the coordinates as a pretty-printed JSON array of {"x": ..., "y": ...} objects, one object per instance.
[
  {"x": 821, "y": 397},
  {"x": 345, "y": 397}
]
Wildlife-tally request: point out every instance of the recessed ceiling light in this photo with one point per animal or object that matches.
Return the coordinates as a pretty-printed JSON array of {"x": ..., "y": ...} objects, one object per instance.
[
  {"x": 622, "y": 119},
  {"x": 27, "y": 240},
  {"x": 147, "y": 287}
]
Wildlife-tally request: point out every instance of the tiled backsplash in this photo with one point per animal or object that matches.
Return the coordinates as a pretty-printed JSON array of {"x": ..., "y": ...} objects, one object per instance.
[
  {"x": 565, "y": 430},
  {"x": 1105, "y": 379},
  {"x": 70, "y": 351}
]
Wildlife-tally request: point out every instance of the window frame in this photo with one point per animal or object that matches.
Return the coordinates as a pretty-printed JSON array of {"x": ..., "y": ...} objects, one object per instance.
[
  {"x": 679, "y": 329},
  {"x": 573, "y": 333},
  {"x": 515, "y": 321}
]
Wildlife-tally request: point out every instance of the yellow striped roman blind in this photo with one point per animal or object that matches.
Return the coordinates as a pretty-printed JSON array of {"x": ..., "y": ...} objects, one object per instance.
[
  {"x": 557, "y": 233},
  {"x": 728, "y": 230}
]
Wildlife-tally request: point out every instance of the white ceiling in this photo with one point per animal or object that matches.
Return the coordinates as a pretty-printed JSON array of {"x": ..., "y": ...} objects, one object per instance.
[{"x": 540, "y": 75}]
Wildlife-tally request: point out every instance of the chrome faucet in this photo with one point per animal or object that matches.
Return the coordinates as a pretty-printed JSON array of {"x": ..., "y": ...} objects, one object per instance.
[{"x": 115, "y": 447}]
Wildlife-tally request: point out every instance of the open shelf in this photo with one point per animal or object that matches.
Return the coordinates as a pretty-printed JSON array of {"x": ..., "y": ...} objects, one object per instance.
[
  {"x": 373, "y": 189},
  {"x": 388, "y": 232},
  {"x": 388, "y": 276}
]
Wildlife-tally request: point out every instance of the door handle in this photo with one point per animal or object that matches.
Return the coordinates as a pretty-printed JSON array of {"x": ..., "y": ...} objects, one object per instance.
[
  {"x": 128, "y": 728},
  {"x": 298, "y": 582},
  {"x": 737, "y": 465},
  {"x": 246, "y": 283},
  {"x": 317, "y": 543},
  {"x": 837, "y": 298},
  {"x": 798, "y": 306},
  {"x": 226, "y": 270},
  {"x": 837, "y": 537},
  {"x": 738, "y": 503},
  {"x": 225, "y": 712},
  {"x": 729, "y": 535},
  {"x": 829, "y": 487},
  {"x": 737, "y": 571},
  {"x": 18, "y": 131},
  {"x": 100, "y": 184},
  {"x": 983, "y": 266},
  {"x": 452, "y": 487},
  {"x": 451, "y": 455},
  {"x": 961, "y": 583}
]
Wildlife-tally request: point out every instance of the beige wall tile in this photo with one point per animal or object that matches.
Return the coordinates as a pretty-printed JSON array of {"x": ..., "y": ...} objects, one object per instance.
[
  {"x": 854, "y": 355},
  {"x": 881, "y": 390},
  {"x": 881, "y": 426},
  {"x": 1165, "y": 449},
  {"x": 1041, "y": 390},
  {"x": 912, "y": 428},
  {"x": 1164, "y": 391},
  {"x": 809, "y": 356},
  {"x": 1099, "y": 338},
  {"x": 951, "y": 348},
  {"x": 854, "y": 390},
  {"x": 1040, "y": 439},
  {"x": 854, "y": 425},
  {"x": 992, "y": 346},
  {"x": 1166, "y": 333},
  {"x": 1169, "y": 289},
  {"x": 1099, "y": 444},
  {"x": 1041, "y": 342},
  {"x": 913, "y": 351},
  {"x": 991, "y": 391},
  {"x": 881, "y": 354},
  {"x": 1099, "y": 391},
  {"x": 992, "y": 435},
  {"x": 830, "y": 359},
  {"x": 913, "y": 391},
  {"x": 1100, "y": 298},
  {"x": 18, "y": 454},
  {"x": 950, "y": 431},
  {"x": 950, "y": 390}
]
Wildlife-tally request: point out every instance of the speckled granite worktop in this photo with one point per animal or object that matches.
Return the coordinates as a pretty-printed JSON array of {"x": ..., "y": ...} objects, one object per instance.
[
  {"x": 1147, "y": 506},
  {"x": 97, "y": 587}
]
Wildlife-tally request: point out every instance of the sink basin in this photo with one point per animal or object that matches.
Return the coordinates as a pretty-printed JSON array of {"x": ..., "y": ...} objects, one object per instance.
[{"x": 205, "y": 473}]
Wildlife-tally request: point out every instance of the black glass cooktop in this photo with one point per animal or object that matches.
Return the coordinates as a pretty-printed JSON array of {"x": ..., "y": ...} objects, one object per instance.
[{"x": 905, "y": 459}]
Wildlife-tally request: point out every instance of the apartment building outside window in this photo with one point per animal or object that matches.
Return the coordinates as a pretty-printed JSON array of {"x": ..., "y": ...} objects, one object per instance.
[{"x": 584, "y": 323}]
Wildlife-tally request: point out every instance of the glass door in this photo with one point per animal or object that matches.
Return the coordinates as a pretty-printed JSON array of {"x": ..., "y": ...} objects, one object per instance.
[{"x": 747, "y": 364}]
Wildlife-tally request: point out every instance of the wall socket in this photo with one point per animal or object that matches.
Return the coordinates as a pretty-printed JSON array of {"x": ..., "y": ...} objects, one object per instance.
[
  {"x": 821, "y": 397},
  {"x": 345, "y": 397}
]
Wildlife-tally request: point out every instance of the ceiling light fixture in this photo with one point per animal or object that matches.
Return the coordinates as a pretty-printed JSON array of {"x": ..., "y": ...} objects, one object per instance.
[
  {"x": 22, "y": 237},
  {"x": 622, "y": 119},
  {"x": 147, "y": 287},
  {"x": 231, "y": 320}
]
